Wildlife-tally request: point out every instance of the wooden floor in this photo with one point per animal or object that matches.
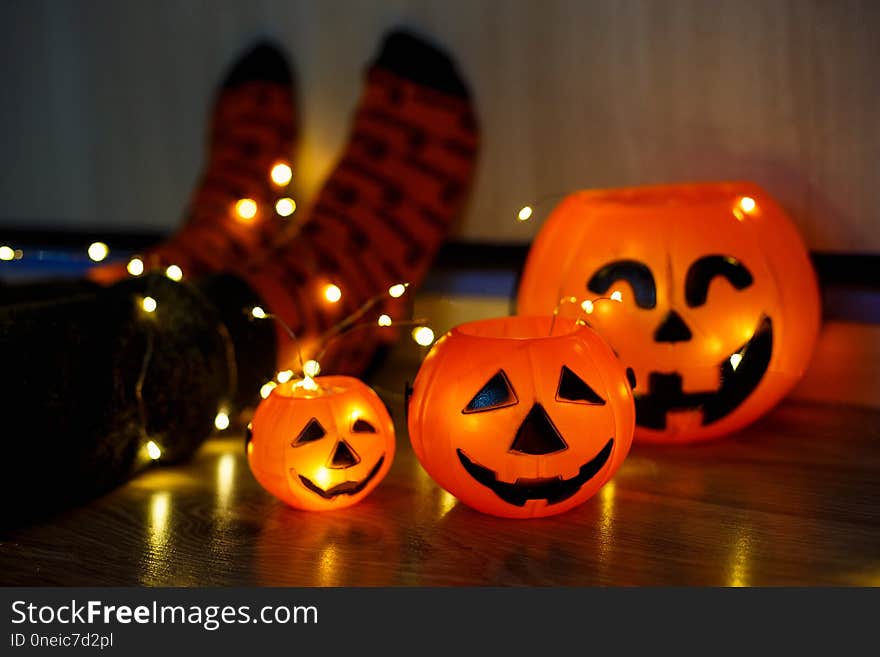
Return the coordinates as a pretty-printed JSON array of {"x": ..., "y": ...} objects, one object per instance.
[{"x": 795, "y": 499}]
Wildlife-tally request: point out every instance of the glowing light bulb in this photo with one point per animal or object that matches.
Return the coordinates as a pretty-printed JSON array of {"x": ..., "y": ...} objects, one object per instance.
[
  {"x": 735, "y": 360},
  {"x": 221, "y": 421},
  {"x": 285, "y": 206},
  {"x": 149, "y": 304},
  {"x": 384, "y": 320},
  {"x": 267, "y": 389},
  {"x": 397, "y": 291},
  {"x": 246, "y": 209},
  {"x": 311, "y": 368},
  {"x": 323, "y": 476},
  {"x": 423, "y": 335},
  {"x": 616, "y": 296},
  {"x": 7, "y": 253},
  {"x": 98, "y": 251},
  {"x": 284, "y": 376},
  {"x": 174, "y": 272},
  {"x": 135, "y": 267},
  {"x": 307, "y": 383},
  {"x": 332, "y": 293},
  {"x": 747, "y": 203},
  {"x": 153, "y": 450},
  {"x": 281, "y": 174},
  {"x": 258, "y": 312},
  {"x": 587, "y": 306},
  {"x": 525, "y": 213}
]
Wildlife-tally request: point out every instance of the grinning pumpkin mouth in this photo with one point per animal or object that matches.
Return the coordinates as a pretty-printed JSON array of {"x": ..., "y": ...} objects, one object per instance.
[
  {"x": 346, "y": 487},
  {"x": 741, "y": 372},
  {"x": 552, "y": 489}
]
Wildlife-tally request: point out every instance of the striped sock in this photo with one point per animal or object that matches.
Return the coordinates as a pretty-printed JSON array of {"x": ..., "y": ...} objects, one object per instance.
[
  {"x": 386, "y": 207},
  {"x": 231, "y": 217}
]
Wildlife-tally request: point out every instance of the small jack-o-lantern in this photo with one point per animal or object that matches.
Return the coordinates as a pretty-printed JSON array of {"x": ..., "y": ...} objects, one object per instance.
[
  {"x": 321, "y": 443},
  {"x": 518, "y": 422},
  {"x": 720, "y": 307}
]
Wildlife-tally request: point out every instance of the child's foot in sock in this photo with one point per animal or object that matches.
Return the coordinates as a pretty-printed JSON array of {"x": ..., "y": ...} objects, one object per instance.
[
  {"x": 232, "y": 215},
  {"x": 386, "y": 208}
]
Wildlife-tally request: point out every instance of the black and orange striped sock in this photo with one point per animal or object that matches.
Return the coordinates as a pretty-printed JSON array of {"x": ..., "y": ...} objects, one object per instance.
[
  {"x": 386, "y": 207},
  {"x": 232, "y": 217}
]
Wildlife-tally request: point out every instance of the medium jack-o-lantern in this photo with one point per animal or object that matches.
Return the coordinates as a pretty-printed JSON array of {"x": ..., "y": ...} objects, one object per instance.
[
  {"x": 720, "y": 307},
  {"x": 321, "y": 443},
  {"x": 517, "y": 422}
]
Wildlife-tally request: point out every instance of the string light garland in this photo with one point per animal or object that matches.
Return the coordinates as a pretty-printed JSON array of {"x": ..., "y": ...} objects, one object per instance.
[
  {"x": 149, "y": 304},
  {"x": 746, "y": 205},
  {"x": 98, "y": 251},
  {"x": 311, "y": 368},
  {"x": 174, "y": 272},
  {"x": 332, "y": 293},
  {"x": 245, "y": 211},
  {"x": 153, "y": 450},
  {"x": 526, "y": 212},
  {"x": 587, "y": 306},
  {"x": 221, "y": 420},
  {"x": 267, "y": 389},
  {"x": 285, "y": 206},
  {"x": 423, "y": 335},
  {"x": 397, "y": 291},
  {"x": 8, "y": 253},
  {"x": 281, "y": 174},
  {"x": 135, "y": 266},
  {"x": 349, "y": 324}
]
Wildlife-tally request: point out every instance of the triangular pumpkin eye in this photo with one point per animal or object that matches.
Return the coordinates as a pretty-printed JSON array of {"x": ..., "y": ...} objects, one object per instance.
[
  {"x": 497, "y": 393},
  {"x": 313, "y": 431},
  {"x": 573, "y": 388},
  {"x": 362, "y": 426}
]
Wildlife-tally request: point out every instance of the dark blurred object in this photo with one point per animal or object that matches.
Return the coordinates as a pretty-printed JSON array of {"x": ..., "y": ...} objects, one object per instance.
[{"x": 76, "y": 356}]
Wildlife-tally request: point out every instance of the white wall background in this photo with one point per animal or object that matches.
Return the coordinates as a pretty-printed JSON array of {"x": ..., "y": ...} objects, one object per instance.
[{"x": 103, "y": 103}]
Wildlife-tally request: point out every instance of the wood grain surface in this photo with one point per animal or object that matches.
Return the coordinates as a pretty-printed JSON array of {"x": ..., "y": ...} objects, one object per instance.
[{"x": 793, "y": 500}]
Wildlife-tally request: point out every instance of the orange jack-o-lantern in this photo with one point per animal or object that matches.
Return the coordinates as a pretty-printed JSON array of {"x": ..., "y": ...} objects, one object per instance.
[
  {"x": 720, "y": 307},
  {"x": 321, "y": 443},
  {"x": 517, "y": 422}
]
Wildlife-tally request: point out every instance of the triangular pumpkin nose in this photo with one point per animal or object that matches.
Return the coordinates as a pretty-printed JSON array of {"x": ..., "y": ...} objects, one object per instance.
[
  {"x": 344, "y": 456},
  {"x": 537, "y": 435},
  {"x": 672, "y": 329}
]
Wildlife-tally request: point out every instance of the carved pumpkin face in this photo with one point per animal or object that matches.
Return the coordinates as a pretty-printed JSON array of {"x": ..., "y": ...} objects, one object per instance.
[
  {"x": 516, "y": 423},
  {"x": 720, "y": 305},
  {"x": 321, "y": 449}
]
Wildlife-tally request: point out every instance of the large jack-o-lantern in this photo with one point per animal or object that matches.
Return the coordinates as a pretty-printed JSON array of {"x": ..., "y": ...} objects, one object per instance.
[
  {"x": 321, "y": 443},
  {"x": 720, "y": 307},
  {"x": 517, "y": 422}
]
